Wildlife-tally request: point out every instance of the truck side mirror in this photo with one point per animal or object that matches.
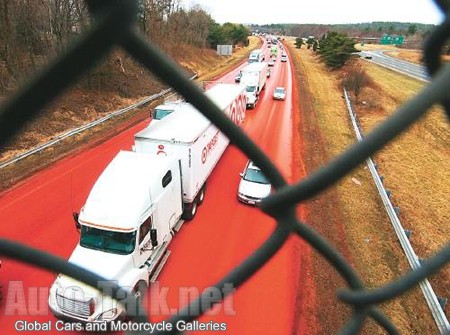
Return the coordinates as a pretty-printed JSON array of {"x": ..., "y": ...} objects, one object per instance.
[
  {"x": 75, "y": 218},
  {"x": 154, "y": 237}
]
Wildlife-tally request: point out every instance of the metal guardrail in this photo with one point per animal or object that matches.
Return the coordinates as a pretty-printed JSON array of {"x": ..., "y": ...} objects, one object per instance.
[
  {"x": 414, "y": 262},
  {"x": 115, "y": 26},
  {"x": 82, "y": 128},
  {"x": 87, "y": 126}
]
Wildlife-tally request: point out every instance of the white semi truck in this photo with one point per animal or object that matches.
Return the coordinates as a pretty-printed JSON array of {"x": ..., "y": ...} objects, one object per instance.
[
  {"x": 254, "y": 78},
  {"x": 138, "y": 203},
  {"x": 256, "y": 55}
]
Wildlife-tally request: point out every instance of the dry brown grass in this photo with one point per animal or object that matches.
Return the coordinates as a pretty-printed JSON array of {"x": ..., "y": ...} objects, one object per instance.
[
  {"x": 369, "y": 47},
  {"x": 414, "y": 168},
  {"x": 410, "y": 55}
]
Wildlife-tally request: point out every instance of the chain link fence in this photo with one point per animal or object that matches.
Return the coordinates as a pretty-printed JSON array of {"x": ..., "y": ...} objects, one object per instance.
[{"x": 115, "y": 27}]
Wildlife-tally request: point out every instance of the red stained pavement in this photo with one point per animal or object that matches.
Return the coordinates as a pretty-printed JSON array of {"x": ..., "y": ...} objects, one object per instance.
[{"x": 38, "y": 213}]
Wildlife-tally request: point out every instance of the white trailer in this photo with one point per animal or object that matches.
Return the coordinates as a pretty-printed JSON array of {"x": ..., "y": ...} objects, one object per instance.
[
  {"x": 254, "y": 78},
  {"x": 199, "y": 145},
  {"x": 138, "y": 203},
  {"x": 231, "y": 99},
  {"x": 190, "y": 136}
]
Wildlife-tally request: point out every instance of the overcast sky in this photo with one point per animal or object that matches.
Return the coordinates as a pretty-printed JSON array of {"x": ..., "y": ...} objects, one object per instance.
[{"x": 320, "y": 11}]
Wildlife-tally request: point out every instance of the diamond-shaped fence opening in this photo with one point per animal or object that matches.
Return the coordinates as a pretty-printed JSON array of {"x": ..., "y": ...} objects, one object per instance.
[{"x": 114, "y": 27}]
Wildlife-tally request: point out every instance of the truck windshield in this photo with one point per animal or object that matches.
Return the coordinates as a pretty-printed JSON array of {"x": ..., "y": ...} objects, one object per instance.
[
  {"x": 161, "y": 113},
  {"x": 251, "y": 88},
  {"x": 107, "y": 240}
]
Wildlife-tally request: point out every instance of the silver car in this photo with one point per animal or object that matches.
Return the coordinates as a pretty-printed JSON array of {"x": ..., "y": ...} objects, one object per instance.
[
  {"x": 253, "y": 186},
  {"x": 279, "y": 93}
]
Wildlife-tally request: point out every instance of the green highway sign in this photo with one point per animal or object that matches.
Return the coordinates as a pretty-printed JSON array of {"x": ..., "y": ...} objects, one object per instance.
[{"x": 395, "y": 40}]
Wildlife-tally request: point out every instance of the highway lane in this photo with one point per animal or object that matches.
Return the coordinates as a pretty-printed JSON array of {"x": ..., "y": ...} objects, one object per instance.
[
  {"x": 414, "y": 70},
  {"x": 38, "y": 212}
]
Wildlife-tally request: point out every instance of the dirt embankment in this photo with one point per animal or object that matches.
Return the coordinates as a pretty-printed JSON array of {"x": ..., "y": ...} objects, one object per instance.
[
  {"x": 350, "y": 215},
  {"x": 78, "y": 106}
]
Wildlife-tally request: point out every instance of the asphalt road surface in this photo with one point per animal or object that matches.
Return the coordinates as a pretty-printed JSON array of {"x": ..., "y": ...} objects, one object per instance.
[
  {"x": 37, "y": 212},
  {"x": 410, "y": 69}
]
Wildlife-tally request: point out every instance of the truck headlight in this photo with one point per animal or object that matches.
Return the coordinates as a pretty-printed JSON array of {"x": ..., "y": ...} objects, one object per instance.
[{"x": 108, "y": 315}]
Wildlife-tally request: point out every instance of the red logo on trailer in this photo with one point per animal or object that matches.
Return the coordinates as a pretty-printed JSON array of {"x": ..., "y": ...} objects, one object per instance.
[
  {"x": 209, "y": 147},
  {"x": 161, "y": 150},
  {"x": 236, "y": 111},
  {"x": 234, "y": 116},
  {"x": 241, "y": 105}
]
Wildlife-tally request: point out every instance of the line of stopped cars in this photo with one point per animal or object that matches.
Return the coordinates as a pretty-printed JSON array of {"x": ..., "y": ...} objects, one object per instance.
[
  {"x": 253, "y": 185},
  {"x": 280, "y": 92}
]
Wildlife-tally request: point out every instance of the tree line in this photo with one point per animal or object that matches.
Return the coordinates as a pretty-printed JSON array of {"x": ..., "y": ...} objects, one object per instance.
[
  {"x": 32, "y": 31},
  {"x": 369, "y": 29}
]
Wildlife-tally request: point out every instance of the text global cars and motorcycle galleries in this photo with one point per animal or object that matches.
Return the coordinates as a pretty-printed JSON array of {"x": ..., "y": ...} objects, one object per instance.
[{"x": 181, "y": 325}]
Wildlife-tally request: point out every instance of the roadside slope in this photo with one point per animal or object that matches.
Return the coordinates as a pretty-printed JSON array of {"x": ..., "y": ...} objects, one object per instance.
[
  {"x": 80, "y": 106},
  {"x": 350, "y": 215}
]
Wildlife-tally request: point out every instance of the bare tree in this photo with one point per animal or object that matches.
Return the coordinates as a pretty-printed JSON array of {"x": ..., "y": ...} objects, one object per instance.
[
  {"x": 31, "y": 31},
  {"x": 21, "y": 39},
  {"x": 156, "y": 14},
  {"x": 200, "y": 24},
  {"x": 65, "y": 20},
  {"x": 355, "y": 79}
]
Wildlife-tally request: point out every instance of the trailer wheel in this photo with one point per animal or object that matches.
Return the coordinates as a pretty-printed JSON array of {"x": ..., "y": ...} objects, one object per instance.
[
  {"x": 190, "y": 210},
  {"x": 201, "y": 195}
]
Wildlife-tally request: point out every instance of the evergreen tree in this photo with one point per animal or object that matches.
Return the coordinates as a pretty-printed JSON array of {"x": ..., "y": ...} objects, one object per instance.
[
  {"x": 299, "y": 42},
  {"x": 335, "y": 49}
]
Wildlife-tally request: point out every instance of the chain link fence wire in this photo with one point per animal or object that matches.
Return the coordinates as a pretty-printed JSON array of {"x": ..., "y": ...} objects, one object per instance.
[{"x": 115, "y": 27}]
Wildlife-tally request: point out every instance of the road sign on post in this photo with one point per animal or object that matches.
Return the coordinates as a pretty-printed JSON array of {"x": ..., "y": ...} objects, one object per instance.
[
  {"x": 386, "y": 39},
  {"x": 395, "y": 40}
]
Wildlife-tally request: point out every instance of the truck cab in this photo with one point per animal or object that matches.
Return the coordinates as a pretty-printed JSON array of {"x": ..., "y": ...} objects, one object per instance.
[
  {"x": 256, "y": 56},
  {"x": 251, "y": 90},
  {"x": 254, "y": 78},
  {"x": 125, "y": 228},
  {"x": 165, "y": 109}
]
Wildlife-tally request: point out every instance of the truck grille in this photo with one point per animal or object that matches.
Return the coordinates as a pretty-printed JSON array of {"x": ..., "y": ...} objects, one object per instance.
[{"x": 73, "y": 306}]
